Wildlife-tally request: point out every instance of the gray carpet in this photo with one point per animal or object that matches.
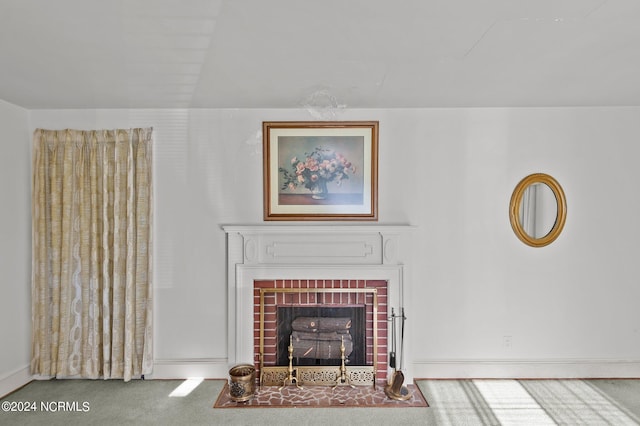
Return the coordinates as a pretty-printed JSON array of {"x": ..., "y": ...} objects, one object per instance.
[
  {"x": 533, "y": 402},
  {"x": 452, "y": 402},
  {"x": 147, "y": 402}
]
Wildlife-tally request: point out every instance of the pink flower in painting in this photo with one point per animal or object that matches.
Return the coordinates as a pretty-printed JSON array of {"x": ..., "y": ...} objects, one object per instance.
[
  {"x": 312, "y": 164},
  {"x": 321, "y": 165}
]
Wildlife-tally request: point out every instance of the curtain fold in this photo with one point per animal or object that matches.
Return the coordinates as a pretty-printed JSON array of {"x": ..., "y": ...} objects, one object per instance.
[{"x": 92, "y": 240}]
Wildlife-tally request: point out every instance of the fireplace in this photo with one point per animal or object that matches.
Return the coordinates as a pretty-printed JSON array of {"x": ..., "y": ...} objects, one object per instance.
[{"x": 312, "y": 273}]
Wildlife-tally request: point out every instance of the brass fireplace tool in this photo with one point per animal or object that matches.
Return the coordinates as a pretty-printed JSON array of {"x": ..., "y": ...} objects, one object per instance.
[
  {"x": 395, "y": 389},
  {"x": 291, "y": 379},
  {"x": 343, "y": 380}
]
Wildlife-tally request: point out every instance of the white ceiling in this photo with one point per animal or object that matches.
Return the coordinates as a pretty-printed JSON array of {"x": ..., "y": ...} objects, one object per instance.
[{"x": 292, "y": 53}]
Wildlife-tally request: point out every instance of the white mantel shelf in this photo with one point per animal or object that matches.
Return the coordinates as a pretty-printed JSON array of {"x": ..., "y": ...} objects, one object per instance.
[{"x": 307, "y": 227}]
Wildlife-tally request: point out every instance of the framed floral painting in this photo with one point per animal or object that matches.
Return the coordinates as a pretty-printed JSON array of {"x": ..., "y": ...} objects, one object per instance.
[{"x": 320, "y": 170}]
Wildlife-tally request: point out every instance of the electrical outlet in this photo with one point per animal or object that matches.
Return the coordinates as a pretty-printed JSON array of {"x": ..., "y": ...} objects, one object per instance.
[{"x": 507, "y": 341}]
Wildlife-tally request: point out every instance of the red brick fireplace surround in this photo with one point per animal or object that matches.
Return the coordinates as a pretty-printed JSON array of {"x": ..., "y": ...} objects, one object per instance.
[
  {"x": 309, "y": 257},
  {"x": 326, "y": 299}
]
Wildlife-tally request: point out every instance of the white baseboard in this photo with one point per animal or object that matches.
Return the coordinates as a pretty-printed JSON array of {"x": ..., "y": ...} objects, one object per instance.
[
  {"x": 209, "y": 368},
  {"x": 526, "y": 368},
  {"x": 218, "y": 368},
  {"x": 14, "y": 380}
]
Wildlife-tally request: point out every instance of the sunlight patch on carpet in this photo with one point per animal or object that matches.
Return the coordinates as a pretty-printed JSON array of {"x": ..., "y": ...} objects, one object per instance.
[
  {"x": 577, "y": 402},
  {"x": 511, "y": 403},
  {"x": 457, "y": 402},
  {"x": 186, "y": 387},
  {"x": 523, "y": 402}
]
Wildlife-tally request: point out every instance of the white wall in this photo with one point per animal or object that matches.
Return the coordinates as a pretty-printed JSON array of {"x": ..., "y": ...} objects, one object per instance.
[
  {"x": 15, "y": 247},
  {"x": 570, "y": 308}
]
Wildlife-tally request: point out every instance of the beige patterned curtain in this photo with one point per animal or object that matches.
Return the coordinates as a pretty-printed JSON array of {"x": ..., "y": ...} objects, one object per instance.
[{"x": 92, "y": 240}]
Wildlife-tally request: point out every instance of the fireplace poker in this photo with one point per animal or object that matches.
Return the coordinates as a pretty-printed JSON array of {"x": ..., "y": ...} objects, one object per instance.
[
  {"x": 392, "y": 354},
  {"x": 402, "y": 339}
]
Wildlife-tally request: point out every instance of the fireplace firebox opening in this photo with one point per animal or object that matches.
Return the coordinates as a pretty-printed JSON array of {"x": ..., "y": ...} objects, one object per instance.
[{"x": 317, "y": 332}]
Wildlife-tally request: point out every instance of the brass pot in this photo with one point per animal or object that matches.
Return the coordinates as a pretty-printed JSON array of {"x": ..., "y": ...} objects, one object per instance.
[{"x": 242, "y": 384}]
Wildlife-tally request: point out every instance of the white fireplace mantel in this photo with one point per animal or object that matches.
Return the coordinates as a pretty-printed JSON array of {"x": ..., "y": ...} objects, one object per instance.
[
  {"x": 309, "y": 251},
  {"x": 315, "y": 244}
]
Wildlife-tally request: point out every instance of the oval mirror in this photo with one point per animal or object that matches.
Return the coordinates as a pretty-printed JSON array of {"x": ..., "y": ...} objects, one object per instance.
[{"x": 538, "y": 210}]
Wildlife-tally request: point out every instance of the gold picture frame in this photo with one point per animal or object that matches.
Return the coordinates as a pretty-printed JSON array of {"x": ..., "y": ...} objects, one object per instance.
[{"x": 319, "y": 170}]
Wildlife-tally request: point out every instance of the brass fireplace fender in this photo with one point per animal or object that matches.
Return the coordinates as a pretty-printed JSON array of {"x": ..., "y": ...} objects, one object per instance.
[{"x": 355, "y": 372}]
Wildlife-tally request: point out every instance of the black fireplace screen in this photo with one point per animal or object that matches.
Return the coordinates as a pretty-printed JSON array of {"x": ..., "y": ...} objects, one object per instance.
[{"x": 318, "y": 332}]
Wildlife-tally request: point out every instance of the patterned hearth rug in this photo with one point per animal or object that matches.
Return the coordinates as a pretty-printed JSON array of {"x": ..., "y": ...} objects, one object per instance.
[{"x": 321, "y": 396}]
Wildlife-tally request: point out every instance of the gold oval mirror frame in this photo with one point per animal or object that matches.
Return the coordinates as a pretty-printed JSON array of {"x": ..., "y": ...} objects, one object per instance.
[{"x": 516, "y": 203}]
